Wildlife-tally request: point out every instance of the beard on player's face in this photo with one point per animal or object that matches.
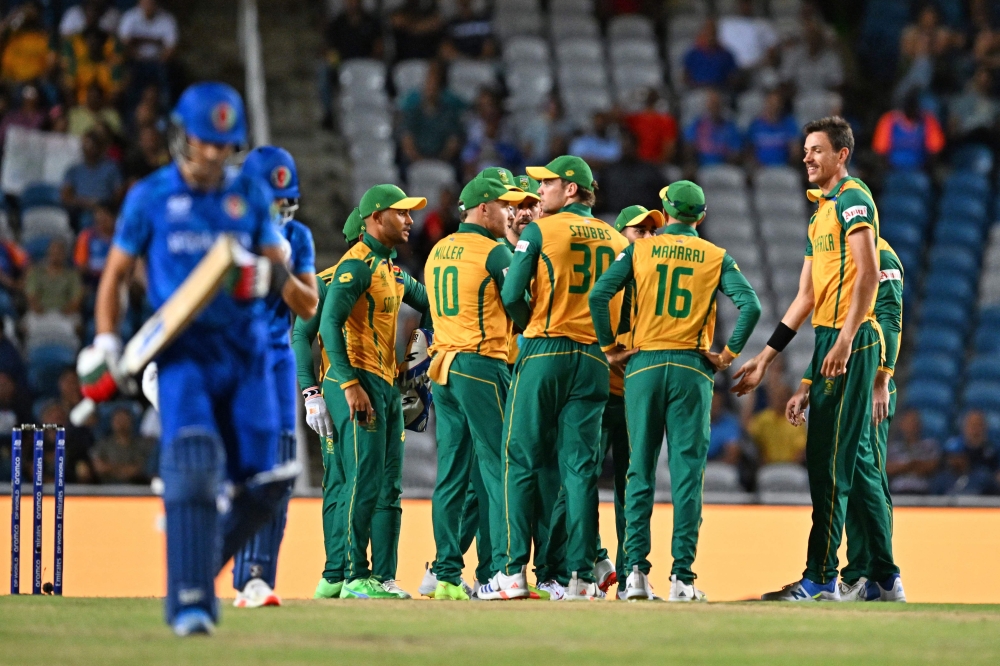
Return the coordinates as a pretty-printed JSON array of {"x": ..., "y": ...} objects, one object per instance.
[{"x": 393, "y": 226}]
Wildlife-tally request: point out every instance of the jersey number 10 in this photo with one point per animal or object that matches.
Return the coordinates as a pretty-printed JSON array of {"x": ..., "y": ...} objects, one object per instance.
[
  {"x": 677, "y": 293},
  {"x": 446, "y": 291}
]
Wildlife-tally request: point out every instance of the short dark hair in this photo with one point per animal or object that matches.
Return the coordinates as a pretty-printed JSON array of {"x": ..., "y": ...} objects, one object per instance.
[{"x": 837, "y": 130}]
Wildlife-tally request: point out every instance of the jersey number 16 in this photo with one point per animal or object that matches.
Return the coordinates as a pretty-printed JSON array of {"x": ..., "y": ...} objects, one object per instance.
[{"x": 679, "y": 299}]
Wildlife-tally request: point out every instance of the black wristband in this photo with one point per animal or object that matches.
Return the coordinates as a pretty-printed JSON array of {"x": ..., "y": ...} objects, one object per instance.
[
  {"x": 781, "y": 337},
  {"x": 279, "y": 276}
]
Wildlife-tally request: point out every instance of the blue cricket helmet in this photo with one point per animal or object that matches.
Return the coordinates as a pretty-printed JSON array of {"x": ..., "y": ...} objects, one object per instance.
[
  {"x": 276, "y": 167},
  {"x": 213, "y": 112}
]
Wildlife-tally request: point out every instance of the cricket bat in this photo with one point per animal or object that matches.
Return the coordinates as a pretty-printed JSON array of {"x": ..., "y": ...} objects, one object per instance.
[{"x": 174, "y": 316}]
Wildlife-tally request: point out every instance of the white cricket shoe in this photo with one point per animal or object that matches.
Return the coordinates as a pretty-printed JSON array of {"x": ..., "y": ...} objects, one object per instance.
[
  {"x": 429, "y": 583},
  {"x": 471, "y": 590},
  {"x": 803, "y": 590},
  {"x": 894, "y": 593},
  {"x": 579, "y": 590},
  {"x": 505, "y": 587},
  {"x": 854, "y": 592},
  {"x": 681, "y": 591},
  {"x": 256, "y": 593},
  {"x": 391, "y": 587},
  {"x": 556, "y": 591},
  {"x": 636, "y": 586},
  {"x": 604, "y": 574}
]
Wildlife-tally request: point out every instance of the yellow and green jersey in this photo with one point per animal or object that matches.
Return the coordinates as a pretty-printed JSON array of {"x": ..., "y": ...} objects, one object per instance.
[
  {"x": 358, "y": 324},
  {"x": 846, "y": 209},
  {"x": 677, "y": 275},
  {"x": 559, "y": 258},
  {"x": 305, "y": 331},
  {"x": 889, "y": 303},
  {"x": 464, "y": 275}
]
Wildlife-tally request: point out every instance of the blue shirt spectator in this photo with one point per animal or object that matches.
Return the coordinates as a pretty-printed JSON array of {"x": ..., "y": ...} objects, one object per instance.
[
  {"x": 907, "y": 138},
  {"x": 773, "y": 135},
  {"x": 712, "y": 138},
  {"x": 724, "y": 444},
  {"x": 971, "y": 460},
  {"x": 708, "y": 63},
  {"x": 92, "y": 181},
  {"x": 599, "y": 147}
]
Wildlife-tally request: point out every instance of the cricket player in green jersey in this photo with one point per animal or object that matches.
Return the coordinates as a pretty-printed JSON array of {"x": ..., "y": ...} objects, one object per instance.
[{"x": 669, "y": 374}]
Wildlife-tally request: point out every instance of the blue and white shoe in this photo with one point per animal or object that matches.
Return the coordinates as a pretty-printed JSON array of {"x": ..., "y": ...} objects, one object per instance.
[
  {"x": 805, "y": 590},
  {"x": 857, "y": 591},
  {"x": 890, "y": 589},
  {"x": 193, "y": 621},
  {"x": 504, "y": 587}
]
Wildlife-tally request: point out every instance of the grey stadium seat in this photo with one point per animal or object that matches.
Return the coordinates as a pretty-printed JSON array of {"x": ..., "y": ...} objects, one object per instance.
[
  {"x": 815, "y": 105},
  {"x": 465, "y": 78},
  {"x": 426, "y": 177},
  {"x": 769, "y": 204},
  {"x": 778, "y": 179},
  {"x": 783, "y": 252},
  {"x": 593, "y": 76},
  {"x": 568, "y": 27},
  {"x": 582, "y": 102},
  {"x": 520, "y": 50},
  {"x": 723, "y": 176},
  {"x": 630, "y": 27},
  {"x": 692, "y": 105},
  {"x": 783, "y": 478},
  {"x": 373, "y": 152},
  {"x": 367, "y": 127},
  {"x": 632, "y": 79},
  {"x": 748, "y": 106},
  {"x": 722, "y": 477},
  {"x": 518, "y": 7},
  {"x": 362, "y": 74},
  {"x": 784, "y": 227},
  {"x": 636, "y": 51},
  {"x": 517, "y": 24},
  {"x": 46, "y": 222},
  {"x": 409, "y": 75},
  {"x": 580, "y": 52},
  {"x": 364, "y": 104},
  {"x": 529, "y": 87},
  {"x": 684, "y": 27},
  {"x": 728, "y": 204},
  {"x": 571, "y": 7},
  {"x": 676, "y": 50}
]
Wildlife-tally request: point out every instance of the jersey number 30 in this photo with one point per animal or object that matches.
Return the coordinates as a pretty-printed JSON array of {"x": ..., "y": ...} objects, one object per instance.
[
  {"x": 604, "y": 254},
  {"x": 679, "y": 299}
]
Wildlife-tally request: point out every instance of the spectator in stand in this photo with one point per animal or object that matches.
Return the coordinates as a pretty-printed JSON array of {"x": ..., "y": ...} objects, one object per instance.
[
  {"x": 432, "y": 127},
  {"x": 547, "y": 133},
  {"x": 92, "y": 57},
  {"x": 148, "y": 155},
  {"x": 777, "y": 440},
  {"x": 724, "y": 443},
  {"x": 599, "y": 145},
  {"x": 149, "y": 34},
  {"x": 746, "y": 36},
  {"x": 490, "y": 147},
  {"x": 629, "y": 181},
  {"x": 11, "y": 363},
  {"x": 31, "y": 115},
  {"x": 655, "y": 131},
  {"x": 79, "y": 442},
  {"x": 94, "y": 243},
  {"x": 970, "y": 460},
  {"x": 69, "y": 390},
  {"x": 25, "y": 54},
  {"x": 924, "y": 46},
  {"x": 94, "y": 112},
  {"x": 973, "y": 116},
  {"x": 440, "y": 222},
  {"x": 773, "y": 138},
  {"x": 708, "y": 63},
  {"x": 986, "y": 49},
  {"x": 912, "y": 459},
  {"x": 95, "y": 179},
  {"x": 15, "y": 409},
  {"x": 122, "y": 456},
  {"x": 13, "y": 265},
  {"x": 149, "y": 112},
  {"x": 89, "y": 12},
  {"x": 468, "y": 35},
  {"x": 417, "y": 27},
  {"x": 52, "y": 285},
  {"x": 353, "y": 33},
  {"x": 711, "y": 138},
  {"x": 910, "y": 137},
  {"x": 814, "y": 64}
]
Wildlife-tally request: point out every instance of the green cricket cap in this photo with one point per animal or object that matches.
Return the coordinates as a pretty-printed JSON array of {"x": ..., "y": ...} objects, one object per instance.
[
  {"x": 634, "y": 215},
  {"x": 505, "y": 176},
  {"x": 354, "y": 226},
  {"x": 383, "y": 197},
  {"x": 567, "y": 167},
  {"x": 683, "y": 201},
  {"x": 529, "y": 185},
  {"x": 484, "y": 189}
]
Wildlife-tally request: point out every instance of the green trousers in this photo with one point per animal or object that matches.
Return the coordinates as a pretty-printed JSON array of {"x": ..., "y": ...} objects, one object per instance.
[
  {"x": 614, "y": 438},
  {"x": 469, "y": 412},
  {"x": 666, "y": 391},
  {"x": 371, "y": 456},
  {"x": 469, "y": 531},
  {"x": 840, "y": 456},
  {"x": 548, "y": 521},
  {"x": 563, "y": 383},
  {"x": 859, "y": 558},
  {"x": 333, "y": 538}
]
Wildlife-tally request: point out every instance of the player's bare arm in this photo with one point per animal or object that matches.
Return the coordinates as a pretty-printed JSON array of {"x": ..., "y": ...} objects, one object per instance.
[
  {"x": 751, "y": 374},
  {"x": 861, "y": 244},
  {"x": 107, "y": 306},
  {"x": 299, "y": 291},
  {"x": 795, "y": 410},
  {"x": 880, "y": 397}
]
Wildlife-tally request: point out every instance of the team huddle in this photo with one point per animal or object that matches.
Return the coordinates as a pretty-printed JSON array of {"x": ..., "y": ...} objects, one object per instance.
[{"x": 550, "y": 336}]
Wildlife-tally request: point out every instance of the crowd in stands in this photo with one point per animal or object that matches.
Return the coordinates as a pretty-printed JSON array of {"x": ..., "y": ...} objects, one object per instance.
[
  {"x": 101, "y": 73},
  {"x": 705, "y": 90}
]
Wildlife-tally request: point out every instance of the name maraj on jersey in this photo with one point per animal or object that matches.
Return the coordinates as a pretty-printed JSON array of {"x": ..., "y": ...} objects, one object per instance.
[{"x": 678, "y": 252}]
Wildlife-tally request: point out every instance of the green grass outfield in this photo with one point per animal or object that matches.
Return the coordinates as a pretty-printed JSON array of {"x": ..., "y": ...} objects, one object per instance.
[{"x": 54, "y": 631}]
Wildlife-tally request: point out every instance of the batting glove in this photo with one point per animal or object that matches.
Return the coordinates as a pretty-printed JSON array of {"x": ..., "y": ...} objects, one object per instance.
[{"x": 317, "y": 415}]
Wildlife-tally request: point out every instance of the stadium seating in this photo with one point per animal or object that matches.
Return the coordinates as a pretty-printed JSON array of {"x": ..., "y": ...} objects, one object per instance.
[{"x": 782, "y": 478}]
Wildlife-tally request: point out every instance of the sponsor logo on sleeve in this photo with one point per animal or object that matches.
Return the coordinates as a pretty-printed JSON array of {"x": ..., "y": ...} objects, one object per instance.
[
  {"x": 346, "y": 277},
  {"x": 522, "y": 246},
  {"x": 619, "y": 257},
  {"x": 891, "y": 274},
  {"x": 855, "y": 211}
]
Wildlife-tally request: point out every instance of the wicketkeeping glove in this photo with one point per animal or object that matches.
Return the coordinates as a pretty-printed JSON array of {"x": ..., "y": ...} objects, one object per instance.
[{"x": 317, "y": 415}]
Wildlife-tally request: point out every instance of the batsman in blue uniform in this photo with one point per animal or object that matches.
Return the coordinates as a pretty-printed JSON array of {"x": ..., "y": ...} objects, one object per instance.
[
  {"x": 255, "y": 566},
  {"x": 217, "y": 398}
]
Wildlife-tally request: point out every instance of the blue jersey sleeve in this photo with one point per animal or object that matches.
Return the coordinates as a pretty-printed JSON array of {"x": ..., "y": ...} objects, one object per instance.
[
  {"x": 266, "y": 233},
  {"x": 303, "y": 251},
  {"x": 134, "y": 230}
]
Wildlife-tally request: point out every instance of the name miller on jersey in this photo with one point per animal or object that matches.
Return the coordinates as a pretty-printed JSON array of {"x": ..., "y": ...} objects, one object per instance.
[{"x": 448, "y": 253}]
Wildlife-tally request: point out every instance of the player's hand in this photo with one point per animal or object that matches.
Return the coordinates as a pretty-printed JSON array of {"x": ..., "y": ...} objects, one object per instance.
[
  {"x": 835, "y": 363},
  {"x": 720, "y": 361},
  {"x": 619, "y": 356},
  {"x": 359, "y": 403},
  {"x": 317, "y": 415},
  {"x": 96, "y": 367},
  {"x": 795, "y": 410},
  {"x": 880, "y": 398},
  {"x": 750, "y": 375}
]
